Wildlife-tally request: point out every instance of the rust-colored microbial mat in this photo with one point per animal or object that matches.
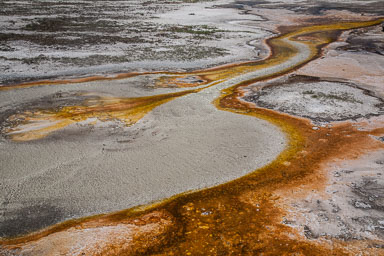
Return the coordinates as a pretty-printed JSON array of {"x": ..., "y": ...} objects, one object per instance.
[
  {"x": 32, "y": 125},
  {"x": 237, "y": 218}
]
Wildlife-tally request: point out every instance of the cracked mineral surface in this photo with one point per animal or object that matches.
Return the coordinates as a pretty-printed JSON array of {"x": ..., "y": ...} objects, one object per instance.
[{"x": 191, "y": 127}]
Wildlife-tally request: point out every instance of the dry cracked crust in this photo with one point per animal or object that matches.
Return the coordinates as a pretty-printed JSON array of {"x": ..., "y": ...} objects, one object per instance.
[{"x": 320, "y": 100}]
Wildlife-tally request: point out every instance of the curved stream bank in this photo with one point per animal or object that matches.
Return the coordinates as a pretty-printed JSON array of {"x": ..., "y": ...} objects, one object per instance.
[{"x": 238, "y": 215}]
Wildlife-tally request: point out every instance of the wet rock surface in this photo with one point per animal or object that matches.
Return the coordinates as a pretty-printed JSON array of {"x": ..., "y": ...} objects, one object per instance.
[{"x": 28, "y": 218}]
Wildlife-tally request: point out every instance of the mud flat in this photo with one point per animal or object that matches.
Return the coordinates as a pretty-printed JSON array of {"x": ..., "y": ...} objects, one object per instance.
[
  {"x": 51, "y": 40},
  {"x": 83, "y": 169},
  {"x": 210, "y": 122}
]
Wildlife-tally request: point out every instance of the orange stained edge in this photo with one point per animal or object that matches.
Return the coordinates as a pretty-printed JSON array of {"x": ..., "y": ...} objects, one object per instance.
[
  {"x": 127, "y": 110},
  {"x": 65, "y": 118},
  {"x": 205, "y": 72},
  {"x": 302, "y": 168}
]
